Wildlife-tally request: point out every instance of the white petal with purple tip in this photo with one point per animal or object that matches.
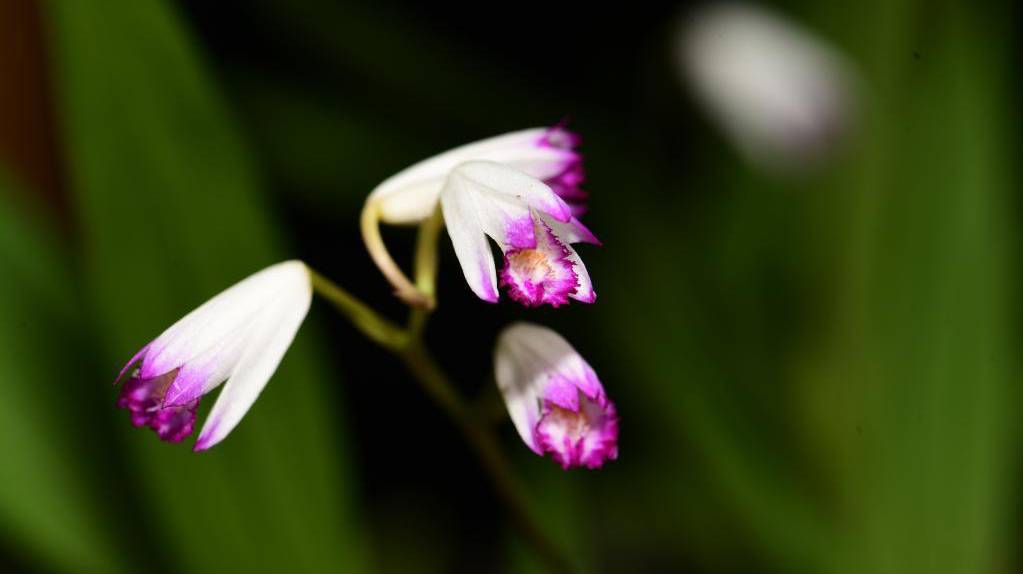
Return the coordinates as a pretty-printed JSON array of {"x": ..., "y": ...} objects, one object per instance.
[
  {"x": 266, "y": 347},
  {"x": 469, "y": 241}
]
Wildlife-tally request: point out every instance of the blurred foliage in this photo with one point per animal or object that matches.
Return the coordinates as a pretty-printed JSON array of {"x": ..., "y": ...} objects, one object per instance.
[
  {"x": 48, "y": 506},
  {"x": 170, "y": 212},
  {"x": 816, "y": 373}
]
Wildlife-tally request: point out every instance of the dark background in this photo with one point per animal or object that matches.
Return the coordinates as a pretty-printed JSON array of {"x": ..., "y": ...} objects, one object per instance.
[{"x": 816, "y": 370}]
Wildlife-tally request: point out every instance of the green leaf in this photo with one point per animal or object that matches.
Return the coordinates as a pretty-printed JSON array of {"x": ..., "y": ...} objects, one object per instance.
[
  {"x": 925, "y": 340},
  {"x": 46, "y": 505},
  {"x": 170, "y": 214}
]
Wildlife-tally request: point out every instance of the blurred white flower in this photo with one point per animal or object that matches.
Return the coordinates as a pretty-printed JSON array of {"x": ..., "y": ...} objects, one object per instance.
[{"x": 784, "y": 96}]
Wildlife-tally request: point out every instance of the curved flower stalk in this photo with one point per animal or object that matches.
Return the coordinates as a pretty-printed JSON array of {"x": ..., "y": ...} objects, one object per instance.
[
  {"x": 238, "y": 336},
  {"x": 784, "y": 96},
  {"x": 554, "y": 397},
  {"x": 412, "y": 195},
  {"x": 531, "y": 224}
]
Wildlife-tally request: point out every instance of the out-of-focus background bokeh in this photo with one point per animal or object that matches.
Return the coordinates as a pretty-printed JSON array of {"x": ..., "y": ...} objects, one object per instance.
[{"x": 808, "y": 309}]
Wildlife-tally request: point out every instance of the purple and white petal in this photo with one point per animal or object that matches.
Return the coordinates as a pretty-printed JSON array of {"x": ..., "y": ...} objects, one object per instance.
[
  {"x": 498, "y": 181},
  {"x": 505, "y": 220},
  {"x": 269, "y": 341},
  {"x": 214, "y": 321},
  {"x": 572, "y": 231},
  {"x": 583, "y": 292},
  {"x": 468, "y": 238}
]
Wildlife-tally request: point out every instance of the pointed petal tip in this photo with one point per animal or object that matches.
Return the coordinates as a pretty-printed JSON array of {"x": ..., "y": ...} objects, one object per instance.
[
  {"x": 491, "y": 298},
  {"x": 140, "y": 355},
  {"x": 484, "y": 286},
  {"x": 203, "y": 443},
  {"x": 585, "y": 235},
  {"x": 561, "y": 211},
  {"x": 587, "y": 298},
  {"x": 208, "y": 436}
]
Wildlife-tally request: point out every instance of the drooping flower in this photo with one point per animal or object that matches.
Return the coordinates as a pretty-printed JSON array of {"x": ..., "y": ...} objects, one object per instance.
[
  {"x": 531, "y": 224},
  {"x": 238, "y": 336},
  {"x": 783, "y": 95},
  {"x": 554, "y": 398},
  {"x": 412, "y": 195}
]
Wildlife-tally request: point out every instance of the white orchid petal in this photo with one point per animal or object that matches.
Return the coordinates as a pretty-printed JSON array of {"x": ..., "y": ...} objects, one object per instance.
[
  {"x": 508, "y": 222},
  {"x": 215, "y": 319},
  {"x": 263, "y": 353},
  {"x": 501, "y": 181},
  {"x": 540, "y": 162},
  {"x": 572, "y": 231},
  {"x": 461, "y": 216},
  {"x": 411, "y": 195},
  {"x": 211, "y": 367},
  {"x": 523, "y": 360},
  {"x": 519, "y": 378},
  {"x": 584, "y": 285}
]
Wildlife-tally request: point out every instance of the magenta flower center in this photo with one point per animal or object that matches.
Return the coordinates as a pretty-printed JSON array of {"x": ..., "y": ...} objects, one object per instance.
[
  {"x": 587, "y": 436},
  {"x": 531, "y": 265},
  {"x": 574, "y": 424},
  {"x": 541, "y": 275}
]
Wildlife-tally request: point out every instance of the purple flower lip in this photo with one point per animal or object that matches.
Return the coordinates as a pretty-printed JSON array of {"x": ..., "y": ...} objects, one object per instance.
[
  {"x": 541, "y": 275},
  {"x": 144, "y": 398},
  {"x": 586, "y": 435}
]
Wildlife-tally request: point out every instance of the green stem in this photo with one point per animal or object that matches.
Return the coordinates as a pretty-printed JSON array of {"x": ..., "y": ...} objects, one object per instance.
[
  {"x": 426, "y": 253},
  {"x": 375, "y": 327},
  {"x": 426, "y": 269},
  {"x": 408, "y": 346},
  {"x": 403, "y": 287},
  {"x": 481, "y": 438}
]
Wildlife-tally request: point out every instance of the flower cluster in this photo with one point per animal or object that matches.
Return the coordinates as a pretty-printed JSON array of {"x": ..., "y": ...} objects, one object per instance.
[{"x": 521, "y": 190}]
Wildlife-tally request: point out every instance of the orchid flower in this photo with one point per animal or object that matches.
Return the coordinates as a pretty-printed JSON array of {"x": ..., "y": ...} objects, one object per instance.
[
  {"x": 238, "y": 336},
  {"x": 554, "y": 398},
  {"x": 531, "y": 224},
  {"x": 412, "y": 195},
  {"x": 784, "y": 96}
]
